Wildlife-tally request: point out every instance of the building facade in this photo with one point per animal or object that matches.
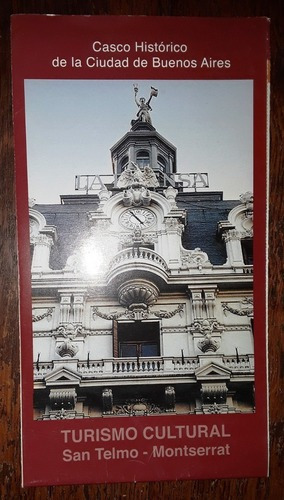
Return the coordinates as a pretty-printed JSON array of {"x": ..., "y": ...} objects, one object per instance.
[{"x": 142, "y": 293}]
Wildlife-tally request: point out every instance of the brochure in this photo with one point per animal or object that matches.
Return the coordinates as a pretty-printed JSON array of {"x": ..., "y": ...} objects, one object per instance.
[{"x": 141, "y": 183}]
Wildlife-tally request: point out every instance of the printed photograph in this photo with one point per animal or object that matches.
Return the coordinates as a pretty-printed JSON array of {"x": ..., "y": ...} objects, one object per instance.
[{"x": 141, "y": 236}]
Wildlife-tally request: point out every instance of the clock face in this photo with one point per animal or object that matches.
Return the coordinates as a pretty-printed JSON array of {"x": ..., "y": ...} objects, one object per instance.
[{"x": 133, "y": 217}]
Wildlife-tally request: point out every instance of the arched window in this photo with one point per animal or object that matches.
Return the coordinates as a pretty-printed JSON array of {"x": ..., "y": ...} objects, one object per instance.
[
  {"x": 143, "y": 158},
  {"x": 162, "y": 163},
  {"x": 247, "y": 249},
  {"x": 124, "y": 162}
]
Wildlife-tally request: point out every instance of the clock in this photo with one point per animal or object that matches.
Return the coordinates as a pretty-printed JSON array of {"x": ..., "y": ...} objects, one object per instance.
[{"x": 133, "y": 217}]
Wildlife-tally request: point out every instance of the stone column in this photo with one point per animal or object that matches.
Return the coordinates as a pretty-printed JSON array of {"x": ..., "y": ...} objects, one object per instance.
[
  {"x": 197, "y": 303},
  {"x": 234, "y": 248},
  {"x": 78, "y": 308},
  {"x": 65, "y": 308},
  {"x": 41, "y": 253},
  {"x": 210, "y": 300}
]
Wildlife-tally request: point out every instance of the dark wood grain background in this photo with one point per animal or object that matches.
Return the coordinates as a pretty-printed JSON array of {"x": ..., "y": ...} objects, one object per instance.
[{"x": 263, "y": 488}]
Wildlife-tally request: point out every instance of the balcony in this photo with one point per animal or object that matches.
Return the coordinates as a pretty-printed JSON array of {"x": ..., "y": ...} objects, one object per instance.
[
  {"x": 137, "y": 258},
  {"x": 117, "y": 368}
]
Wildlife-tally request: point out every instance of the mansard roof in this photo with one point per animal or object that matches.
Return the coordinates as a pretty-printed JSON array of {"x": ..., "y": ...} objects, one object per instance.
[{"x": 204, "y": 211}]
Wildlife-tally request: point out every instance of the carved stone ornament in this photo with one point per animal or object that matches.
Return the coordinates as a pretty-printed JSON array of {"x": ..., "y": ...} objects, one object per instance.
[
  {"x": 217, "y": 409},
  {"x": 137, "y": 238},
  {"x": 39, "y": 317},
  {"x": 245, "y": 308},
  {"x": 70, "y": 331},
  {"x": 164, "y": 314},
  {"x": 107, "y": 399},
  {"x": 234, "y": 235},
  {"x": 138, "y": 312},
  {"x": 247, "y": 200},
  {"x": 34, "y": 229},
  {"x": 101, "y": 225},
  {"x": 194, "y": 258},
  {"x": 137, "y": 197},
  {"x": 32, "y": 202},
  {"x": 134, "y": 177},
  {"x": 67, "y": 349},
  {"x": 214, "y": 392},
  {"x": 61, "y": 414},
  {"x": 208, "y": 344},
  {"x": 63, "y": 398},
  {"x": 111, "y": 316},
  {"x": 137, "y": 407},
  {"x": 173, "y": 224},
  {"x": 170, "y": 194},
  {"x": 206, "y": 327},
  {"x": 170, "y": 398},
  {"x": 137, "y": 293}
]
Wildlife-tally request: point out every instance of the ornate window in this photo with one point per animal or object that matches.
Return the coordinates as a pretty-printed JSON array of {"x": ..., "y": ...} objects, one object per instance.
[
  {"x": 138, "y": 339},
  {"x": 143, "y": 158},
  {"x": 247, "y": 249},
  {"x": 162, "y": 163},
  {"x": 124, "y": 162}
]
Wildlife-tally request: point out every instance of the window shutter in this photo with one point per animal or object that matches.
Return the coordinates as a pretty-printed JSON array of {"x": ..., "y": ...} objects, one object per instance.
[{"x": 115, "y": 338}]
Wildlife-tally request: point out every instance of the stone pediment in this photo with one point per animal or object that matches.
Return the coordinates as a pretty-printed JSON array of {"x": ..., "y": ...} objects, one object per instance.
[
  {"x": 62, "y": 376},
  {"x": 212, "y": 371}
]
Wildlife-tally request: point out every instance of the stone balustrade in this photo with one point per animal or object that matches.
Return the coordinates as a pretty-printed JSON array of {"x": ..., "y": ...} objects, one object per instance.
[
  {"x": 142, "y": 254},
  {"x": 154, "y": 366}
]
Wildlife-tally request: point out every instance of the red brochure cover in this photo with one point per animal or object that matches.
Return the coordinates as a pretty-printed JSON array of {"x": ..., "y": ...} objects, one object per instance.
[{"x": 141, "y": 179}]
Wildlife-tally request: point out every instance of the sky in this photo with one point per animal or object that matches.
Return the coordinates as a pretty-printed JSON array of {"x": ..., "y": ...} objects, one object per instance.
[{"x": 72, "y": 124}]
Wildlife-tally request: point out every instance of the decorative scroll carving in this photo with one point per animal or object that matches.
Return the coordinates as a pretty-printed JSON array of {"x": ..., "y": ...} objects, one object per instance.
[
  {"x": 245, "y": 308},
  {"x": 39, "y": 317},
  {"x": 137, "y": 407},
  {"x": 169, "y": 314},
  {"x": 70, "y": 331},
  {"x": 206, "y": 327}
]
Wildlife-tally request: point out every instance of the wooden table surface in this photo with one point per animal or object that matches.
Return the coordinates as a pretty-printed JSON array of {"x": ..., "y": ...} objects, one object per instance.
[{"x": 264, "y": 488}]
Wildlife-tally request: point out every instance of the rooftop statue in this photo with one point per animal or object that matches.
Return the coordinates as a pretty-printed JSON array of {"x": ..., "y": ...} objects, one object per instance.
[{"x": 143, "y": 114}]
